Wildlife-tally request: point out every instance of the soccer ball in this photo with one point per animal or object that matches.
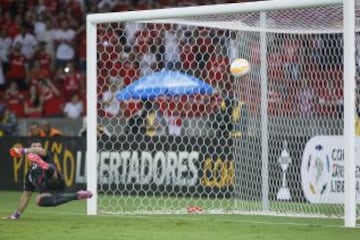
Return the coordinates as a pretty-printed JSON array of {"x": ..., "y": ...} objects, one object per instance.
[{"x": 240, "y": 67}]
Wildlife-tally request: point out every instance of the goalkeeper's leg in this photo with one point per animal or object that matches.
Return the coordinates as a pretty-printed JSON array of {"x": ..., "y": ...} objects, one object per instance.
[{"x": 55, "y": 199}]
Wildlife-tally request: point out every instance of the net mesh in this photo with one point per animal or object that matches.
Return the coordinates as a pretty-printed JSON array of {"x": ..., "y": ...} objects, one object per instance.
[{"x": 202, "y": 149}]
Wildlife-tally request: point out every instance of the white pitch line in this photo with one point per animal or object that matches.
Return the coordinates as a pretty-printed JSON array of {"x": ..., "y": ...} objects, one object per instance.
[
  {"x": 240, "y": 221},
  {"x": 185, "y": 217}
]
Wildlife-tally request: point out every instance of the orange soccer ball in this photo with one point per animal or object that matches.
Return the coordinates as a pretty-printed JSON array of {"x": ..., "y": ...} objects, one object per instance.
[{"x": 240, "y": 67}]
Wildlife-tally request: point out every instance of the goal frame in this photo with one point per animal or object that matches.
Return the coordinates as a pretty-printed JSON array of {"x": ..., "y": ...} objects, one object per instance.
[{"x": 349, "y": 86}]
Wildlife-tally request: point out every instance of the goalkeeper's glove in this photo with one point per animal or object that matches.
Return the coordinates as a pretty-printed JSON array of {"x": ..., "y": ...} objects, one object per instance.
[
  {"x": 16, "y": 215},
  {"x": 17, "y": 152}
]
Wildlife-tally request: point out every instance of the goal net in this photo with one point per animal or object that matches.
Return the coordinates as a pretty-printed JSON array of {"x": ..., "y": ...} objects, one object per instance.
[{"x": 180, "y": 134}]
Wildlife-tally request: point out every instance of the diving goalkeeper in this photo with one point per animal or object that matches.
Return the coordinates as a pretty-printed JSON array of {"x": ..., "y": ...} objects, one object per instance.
[{"x": 44, "y": 177}]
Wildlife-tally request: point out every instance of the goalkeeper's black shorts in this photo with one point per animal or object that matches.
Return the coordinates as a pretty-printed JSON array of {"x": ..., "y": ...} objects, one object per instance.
[{"x": 41, "y": 180}]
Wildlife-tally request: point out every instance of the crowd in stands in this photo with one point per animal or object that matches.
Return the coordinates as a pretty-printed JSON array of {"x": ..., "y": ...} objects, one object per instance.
[
  {"x": 304, "y": 80},
  {"x": 43, "y": 56},
  {"x": 43, "y": 52}
]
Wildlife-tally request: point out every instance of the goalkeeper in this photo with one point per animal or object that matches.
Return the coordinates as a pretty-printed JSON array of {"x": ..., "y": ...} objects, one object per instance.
[{"x": 46, "y": 178}]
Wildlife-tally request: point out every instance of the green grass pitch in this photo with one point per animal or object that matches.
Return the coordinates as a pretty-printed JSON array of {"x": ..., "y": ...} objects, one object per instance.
[{"x": 70, "y": 222}]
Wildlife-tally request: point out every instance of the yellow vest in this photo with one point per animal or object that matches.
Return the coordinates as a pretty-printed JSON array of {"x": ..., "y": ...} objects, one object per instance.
[
  {"x": 235, "y": 118},
  {"x": 150, "y": 124},
  {"x": 357, "y": 127},
  {"x": 4, "y": 120}
]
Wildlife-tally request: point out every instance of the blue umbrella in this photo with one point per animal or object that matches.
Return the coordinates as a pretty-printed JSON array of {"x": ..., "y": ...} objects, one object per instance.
[{"x": 168, "y": 83}]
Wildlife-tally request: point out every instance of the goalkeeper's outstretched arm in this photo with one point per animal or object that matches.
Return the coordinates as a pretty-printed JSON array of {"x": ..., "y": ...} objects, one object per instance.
[{"x": 18, "y": 152}]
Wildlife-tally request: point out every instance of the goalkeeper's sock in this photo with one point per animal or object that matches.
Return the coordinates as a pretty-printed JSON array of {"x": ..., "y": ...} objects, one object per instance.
[{"x": 54, "y": 200}]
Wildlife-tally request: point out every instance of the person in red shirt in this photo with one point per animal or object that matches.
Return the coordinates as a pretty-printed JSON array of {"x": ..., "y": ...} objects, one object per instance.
[
  {"x": 12, "y": 26},
  {"x": 44, "y": 58},
  {"x": 14, "y": 100},
  {"x": 329, "y": 92},
  {"x": 52, "y": 101},
  {"x": 188, "y": 57},
  {"x": 108, "y": 43},
  {"x": 52, "y": 6},
  {"x": 217, "y": 70},
  {"x": 5, "y": 5},
  {"x": 33, "y": 104},
  {"x": 74, "y": 7},
  {"x": 18, "y": 68},
  {"x": 127, "y": 68},
  {"x": 36, "y": 74},
  {"x": 72, "y": 80}
]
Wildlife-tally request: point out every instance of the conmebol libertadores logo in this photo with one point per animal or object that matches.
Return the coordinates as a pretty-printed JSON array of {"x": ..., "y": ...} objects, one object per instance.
[
  {"x": 316, "y": 169},
  {"x": 322, "y": 170}
]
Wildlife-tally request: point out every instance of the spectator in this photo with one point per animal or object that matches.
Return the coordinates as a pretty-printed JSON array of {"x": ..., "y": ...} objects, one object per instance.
[
  {"x": 217, "y": 70},
  {"x": 231, "y": 119},
  {"x": 35, "y": 130},
  {"x": 5, "y": 45},
  {"x": 148, "y": 61},
  {"x": 188, "y": 57},
  {"x": 27, "y": 40},
  {"x": 292, "y": 59},
  {"x": 74, "y": 108},
  {"x": 12, "y": 26},
  {"x": 174, "y": 123},
  {"x": 128, "y": 69},
  {"x": 33, "y": 105},
  {"x": 28, "y": 14},
  {"x": 44, "y": 58},
  {"x": 130, "y": 30},
  {"x": 36, "y": 74},
  {"x": 65, "y": 15},
  {"x": 109, "y": 46},
  {"x": 64, "y": 41},
  {"x": 136, "y": 123},
  {"x": 51, "y": 99},
  {"x": 72, "y": 80},
  {"x": 18, "y": 69},
  {"x": 111, "y": 105},
  {"x": 231, "y": 45},
  {"x": 305, "y": 99},
  {"x": 146, "y": 121},
  {"x": 40, "y": 24},
  {"x": 100, "y": 130},
  {"x": 47, "y": 36},
  {"x": 52, "y": 6},
  {"x": 274, "y": 99},
  {"x": 6, "y": 22},
  {"x": 74, "y": 7},
  {"x": 49, "y": 130},
  {"x": 107, "y": 3},
  {"x": 14, "y": 100},
  {"x": 154, "y": 122},
  {"x": 8, "y": 122},
  {"x": 172, "y": 50}
]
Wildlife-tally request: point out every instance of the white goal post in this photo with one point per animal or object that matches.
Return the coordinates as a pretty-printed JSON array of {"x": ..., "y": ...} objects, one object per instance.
[{"x": 254, "y": 33}]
